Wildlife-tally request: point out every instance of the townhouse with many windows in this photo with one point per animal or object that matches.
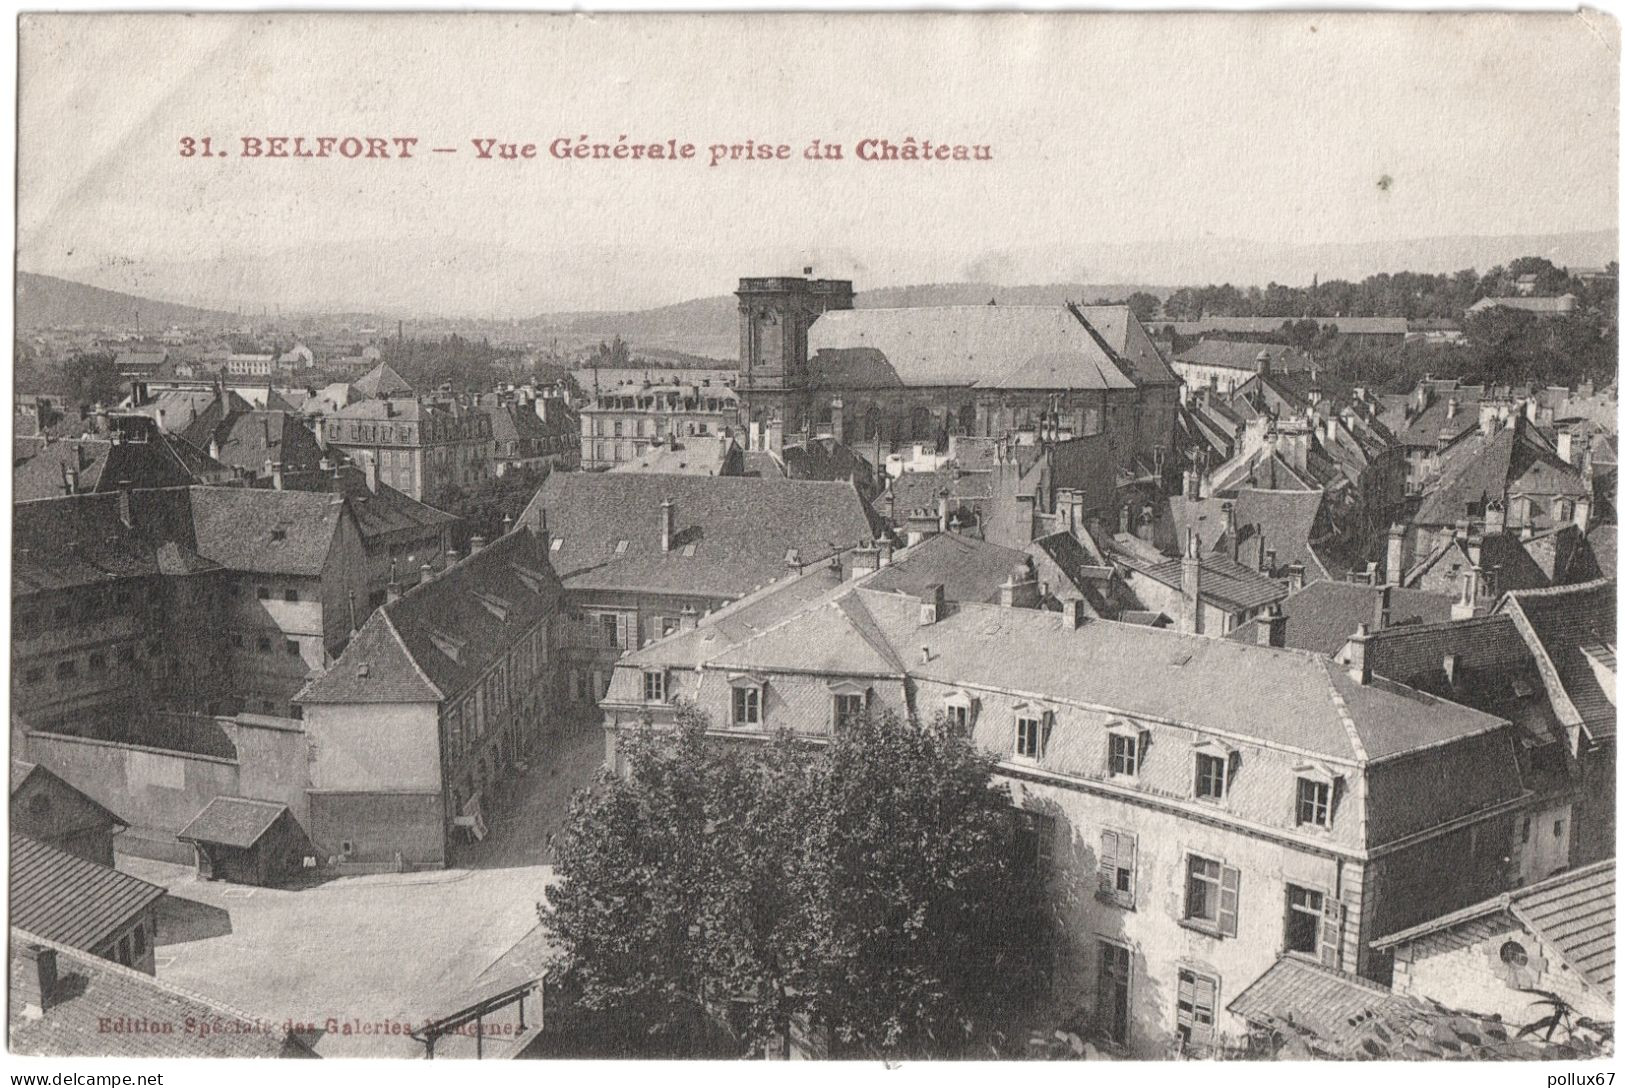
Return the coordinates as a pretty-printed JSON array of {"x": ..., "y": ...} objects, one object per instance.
[{"x": 1205, "y": 807}]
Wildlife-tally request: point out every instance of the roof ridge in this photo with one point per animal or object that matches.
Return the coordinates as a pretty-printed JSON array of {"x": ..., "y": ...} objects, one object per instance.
[
  {"x": 1343, "y": 716},
  {"x": 389, "y": 622}
]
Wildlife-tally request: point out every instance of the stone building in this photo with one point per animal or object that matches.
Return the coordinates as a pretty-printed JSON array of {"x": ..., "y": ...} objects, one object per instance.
[
  {"x": 428, "y": 450},
  {"x": 443, "y": 691},
  {"x": 623, "y": 423},
  {"x": 1204, "y": 804},
  {"x": 83, "y": 904},
  {"x": 641, "y": 554}
]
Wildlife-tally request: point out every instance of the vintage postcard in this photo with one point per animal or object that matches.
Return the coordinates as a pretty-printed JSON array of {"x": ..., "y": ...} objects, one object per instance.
[{"x": 820, "y": 536}]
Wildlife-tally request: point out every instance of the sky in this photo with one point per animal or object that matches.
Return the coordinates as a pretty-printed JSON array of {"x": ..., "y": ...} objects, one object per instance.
[{"x": 1124, "y": 148}]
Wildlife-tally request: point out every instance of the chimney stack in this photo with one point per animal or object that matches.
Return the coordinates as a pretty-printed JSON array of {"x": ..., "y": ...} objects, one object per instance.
[
  {"x": 1072, "y": 614},
  {"x": 1565, "y": 446},
  {"x": 886, "y": 547},
  {"x": 1190, "y": 585},
  {"x": 1464, "y": 606},
  {"x": 667, "y": 521},
  {"x": 1359, "y": 664},
  {"x": 425, "y": 574},
  {"x": 942, "y": 513},
  {"x": 1020, "y": 587},
  {"x": 837, "y": 420},
  {"x": 1272, "y": 627},
  {"x": 933, "y": 604},
  {"x": 1294, "y": 577},
  {"x": 37, "y": 981},
  {"x": 475, "y": 543},
  {"x": 507, "y": 524},
  {"x": 865, "y": 560},
  {"x": 276, "y": 475},
  {"x": 688, "y": 618},
  {"x": 1383, "y": 612}
]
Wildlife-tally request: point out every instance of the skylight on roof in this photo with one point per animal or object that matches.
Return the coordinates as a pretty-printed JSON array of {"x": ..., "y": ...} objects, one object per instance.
[
  {"x": 558, "y": 542},
  {"x": 620, "y": 547},
  {"x": 688, "y": 550}
]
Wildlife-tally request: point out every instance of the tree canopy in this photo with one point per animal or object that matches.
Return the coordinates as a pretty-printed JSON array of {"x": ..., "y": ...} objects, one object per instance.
[{"x": 871, "y": 893}]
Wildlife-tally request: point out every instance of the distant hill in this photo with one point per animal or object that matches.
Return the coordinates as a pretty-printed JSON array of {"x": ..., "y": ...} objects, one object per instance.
[{"x": 49, "y": 302}]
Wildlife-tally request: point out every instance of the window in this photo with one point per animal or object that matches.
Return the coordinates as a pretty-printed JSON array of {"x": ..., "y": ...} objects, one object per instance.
[
  {"x": 1125, "y": 755},
  {"x": 747, "y": 705},
  {"x": 123, "y": 954},
  {"x": 263, "y": 644},
  {"x": 67, "y": 670},
  {"x": 1514, "y": 954},
  {"x": 1524, "y": 834},
  {"x": 1557, "y": 829},
  {"x": 291, "y": 646},
  {"x": 1212, "y": 895},
  {"x": 654, "y": 686},
  {"x": 291, "y": 596},
  {"x": 959, "y": 719},
  {"x": 264, "y": 593},
  {"x": 1314, "y": 802},
  {"x": 1198, "y": 997},
  {"x": 1117, "y": 850},
  {"x": 34, "y": 675},
  {"x": 1304, "y": 910},
  {"x": 609, "y": 625},
  {"x": 1111, "y": 992},
  {"x": 1030, "y": 737},
  {"x": 848, "y": 710},
  {"x": 1033, "y": 834},
  {"x": 98, "y": 662},
  {"x": 1211, "y": 774}
]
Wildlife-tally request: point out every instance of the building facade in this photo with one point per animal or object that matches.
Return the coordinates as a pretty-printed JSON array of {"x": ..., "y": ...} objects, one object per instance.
[{"x": 427, "y": 450}]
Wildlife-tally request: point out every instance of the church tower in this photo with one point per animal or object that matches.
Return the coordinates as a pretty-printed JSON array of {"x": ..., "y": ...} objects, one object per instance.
[{"x": 775, "y": 313}]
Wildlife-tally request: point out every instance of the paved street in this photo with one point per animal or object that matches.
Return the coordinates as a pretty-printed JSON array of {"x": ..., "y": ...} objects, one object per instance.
[{"x": 369, "y": 949}]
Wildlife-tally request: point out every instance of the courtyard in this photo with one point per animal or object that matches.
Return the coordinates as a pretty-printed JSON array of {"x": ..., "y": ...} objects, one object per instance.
[{"x": 358, "y": 959}]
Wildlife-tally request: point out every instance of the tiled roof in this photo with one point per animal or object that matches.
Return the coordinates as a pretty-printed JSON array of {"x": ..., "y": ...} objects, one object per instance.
[
  {"x": 1485, "y": 468},
  {"x": 265, "y": 531},
  {"x": 739, "y": 530},
  {"x": 1322, "y": 615},
  {"x": 22, "y": 771},
  {"x": 1604, "y": 543},
  {"x": 1042, "y": 347},
  {"x": 160, "y": 460},
  {"x": 1333, "y": 1005},
  {"x": 1127, "y": 337},
  {"x": 440, "y": 636},
  {"x": 92, "y": 992},
  {"x": 65, "y": 898},
  {"x": 1573, "y": 912},
  {"x": 913, "y": 491},
  {"x": 1286, "y": 520},
  {"x": 1348, "y": 326},
  {"x": 1224, "y": 581},
  {"x": 1435, "y": 420},
  {"x": 381, "y": 381},
  {"x": 695, "y": 457},
  {"x": 248, "y": 439},
  {"x": 1562, "y": 304},
  {"x": 1559, "y": 624},
  {"x": 75, "y": 540},
  {"x": 232, "y": 821},
  {"x": 377, "y": 513},
  {"x": 1242, "y": 355},
  {"x": 968, "y": 569}
]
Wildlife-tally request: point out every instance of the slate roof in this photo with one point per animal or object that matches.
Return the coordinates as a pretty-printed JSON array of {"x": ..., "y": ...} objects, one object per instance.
[
  {"x": 161, "y": 460},
  {"x": 1573, "y": 912},
  {"x": 695, "y": 457},
  {"x": 740, "y": 529},
  {"x": 440, "y": 636},
  {"x": 1348, "y": 326},
  {"x": 249, "y": 438},
  {"x": 1434, "y": 421},
  {"x": 1287, "y": 521},
  {"x": 1323, "y": 615},
  {"x": 1032, "y": 347},
  {"x": 1604, "y": 543},
  {"x": 1298, "y": 701},
  {"x": 1127, "y": 337},
  {"x": 62, "y": 897},
  {"x": 1559, "y": 625},
  {"x": 1242, "y": 355},
  {"x": 377, "y": 513},
  {"x": 1331, "y": 1004},
  {"x": 91, "y": 992},
  {"x": 76, "y": 540},
  {"x": 232, "y": 821}
]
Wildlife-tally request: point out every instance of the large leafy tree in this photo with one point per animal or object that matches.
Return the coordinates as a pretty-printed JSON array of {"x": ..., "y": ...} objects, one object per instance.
[{"x": 871, "y": 892}]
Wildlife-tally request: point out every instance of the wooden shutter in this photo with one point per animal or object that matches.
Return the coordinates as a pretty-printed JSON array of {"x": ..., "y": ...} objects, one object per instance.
[
  {"x": 1108, "y": 864},
  {"x": 1185, "y": 1005},
  {"x": 626, "y": 631},
  {"x": 1046, "y": 723},
  {"x": 1205, "y": 1001},
  {"x": 1331, "y": 933},
  {"x": 1229, "y": 900},
  {"x": 1125, "y": 860}
]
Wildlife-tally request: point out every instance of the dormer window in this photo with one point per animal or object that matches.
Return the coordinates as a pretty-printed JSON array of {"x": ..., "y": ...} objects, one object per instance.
[
  {"x": 849, "y": 702},
  {"x": 1030, "y": 737},
  {"x": 654, "y": 686},
  {"x": 1125, "y": 750},
  {"x": 1213, "y": 764},
  {"x": 1314, "y": 802},
  {"x": 959, "y": 708},
  {"x": 748, "y": 701}
]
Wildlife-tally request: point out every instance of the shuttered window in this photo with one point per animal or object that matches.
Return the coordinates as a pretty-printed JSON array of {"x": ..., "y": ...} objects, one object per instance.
[
  {"x": 1117, "y": 851},
  {"x": 1212, "y": 895},
  {"x": 1198, "y": 998}
]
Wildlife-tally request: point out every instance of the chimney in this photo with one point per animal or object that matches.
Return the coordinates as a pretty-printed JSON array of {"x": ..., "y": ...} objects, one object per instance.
[
  {"x": 158, "y": 417},
  {"x": 70, "y": 481},
  {"x": 1190, "y": 585},
  {"x": 1582, "y": 513},
  {"x": 1020, "y": 587},
  {"x": 370, "y": 465},
  {"x": 1272, "y": 627},
  {"x": 1294, "y": 577},
  {"x": 1263, "y": 361},
  {"x": 1495, "y": 519},
  {"x": 792, "y": 560},
  {"x": 507, "y": 524},
  {"x": 1193, "y": 484},
  {"x": 667, "y": 519},
  {"x": 1123, "y": 521},
  {"x": 276, "y": 475},
  {"x": 1565, "y": 446},
  {"x": 1464, "y": 606},
  {"x": 425, "y": 574},
  {"x": 1229, "y": 529},
  {"x": 1359, "y": 664},
  {"x": 933, "y": 604},
  {"x": 1450, "y": 408},
  {"x": 1148, "y": 524},
  {"x": 1072, "y": 614},
  {"x": 1383, "y": 610},
  {"x": 214, "y": 447},
  {"x": 688, "y": 618},
  {"x": 37, "y": 981},
  {"x": 885, "y": 553},
  {"x": 942, "y": 513},
  {"x": 837, "y": 420},
  {"x": 475, "y": 543},
  {"x": 865, "y": 560},
  {"x": 1256, "y": 554}
]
